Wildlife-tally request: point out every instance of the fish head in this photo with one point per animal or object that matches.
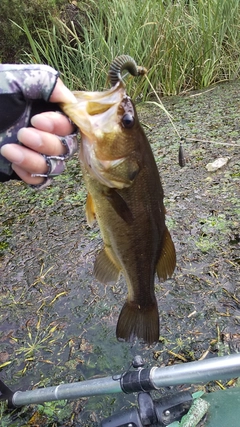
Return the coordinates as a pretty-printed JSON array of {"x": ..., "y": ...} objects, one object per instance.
[{"x": 109, "y": 129}]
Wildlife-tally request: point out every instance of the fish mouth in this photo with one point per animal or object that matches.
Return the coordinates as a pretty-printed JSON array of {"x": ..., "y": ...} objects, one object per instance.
[
  {"x": 95, "y": 112},
  {"x": 90, "y": 105},
  {"x": 98, "y": 116}
]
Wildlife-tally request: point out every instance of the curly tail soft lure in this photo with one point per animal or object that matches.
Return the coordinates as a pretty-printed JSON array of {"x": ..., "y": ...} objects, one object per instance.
[{"x": 121, "y": 63}]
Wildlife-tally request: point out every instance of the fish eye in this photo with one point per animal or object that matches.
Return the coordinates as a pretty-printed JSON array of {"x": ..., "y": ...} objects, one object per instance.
[{"x": 128, "y": 121}]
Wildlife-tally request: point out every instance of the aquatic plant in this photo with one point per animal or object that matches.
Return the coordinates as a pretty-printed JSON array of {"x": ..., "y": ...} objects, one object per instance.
[{"x": 185, "y": 45}]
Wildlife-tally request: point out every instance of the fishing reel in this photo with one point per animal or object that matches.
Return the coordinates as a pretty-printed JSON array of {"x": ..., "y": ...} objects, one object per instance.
[{"x": 160, "y": 412}]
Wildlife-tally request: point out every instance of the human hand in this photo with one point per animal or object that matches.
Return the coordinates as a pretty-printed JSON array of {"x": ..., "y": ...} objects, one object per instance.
[
  {"x": 42, "y": 138},
  {"x": 51, "y": 135}
]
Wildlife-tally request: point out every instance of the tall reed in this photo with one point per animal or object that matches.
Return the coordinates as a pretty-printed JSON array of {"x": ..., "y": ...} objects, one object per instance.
[{"x": 184, "y": 44}]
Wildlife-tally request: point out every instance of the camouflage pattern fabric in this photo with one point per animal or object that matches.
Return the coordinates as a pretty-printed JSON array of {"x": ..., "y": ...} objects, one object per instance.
[{"x": 24, "y": 83}]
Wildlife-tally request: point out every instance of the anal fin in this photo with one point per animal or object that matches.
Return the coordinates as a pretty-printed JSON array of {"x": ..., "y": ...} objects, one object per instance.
[
  {"x": 105, "y": 269},
  {"x": 167, "y": 261}
]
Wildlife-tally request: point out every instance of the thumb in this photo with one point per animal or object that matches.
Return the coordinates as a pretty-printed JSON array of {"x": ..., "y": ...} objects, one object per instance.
[{"x": 61, "y": 93}]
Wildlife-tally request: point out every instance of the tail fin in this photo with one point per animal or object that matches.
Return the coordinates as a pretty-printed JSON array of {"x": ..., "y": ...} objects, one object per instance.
[{"x": 138, "y": 322}]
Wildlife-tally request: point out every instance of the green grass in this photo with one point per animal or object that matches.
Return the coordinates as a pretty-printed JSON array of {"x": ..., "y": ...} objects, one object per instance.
[{"x": 183, "y": 46}]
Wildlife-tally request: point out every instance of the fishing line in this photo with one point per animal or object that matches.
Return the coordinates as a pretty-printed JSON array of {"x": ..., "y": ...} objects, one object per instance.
[
  {"x": 211, "y": 142},
  {"x": 162, "y": 107},
  {"x": 181, "y": 153}
]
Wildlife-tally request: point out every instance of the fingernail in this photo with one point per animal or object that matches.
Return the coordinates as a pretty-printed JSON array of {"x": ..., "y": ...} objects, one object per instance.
[
  {"x": 42, "y": 122},
  {"x": 12, "y": 153},
  {"x": 29, "y": 137}
]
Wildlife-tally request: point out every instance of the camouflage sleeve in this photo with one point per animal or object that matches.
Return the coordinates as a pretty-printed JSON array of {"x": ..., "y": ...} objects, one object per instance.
[
  {"x": 20, "y": 86},
  {"x": 33, "y": 81}
]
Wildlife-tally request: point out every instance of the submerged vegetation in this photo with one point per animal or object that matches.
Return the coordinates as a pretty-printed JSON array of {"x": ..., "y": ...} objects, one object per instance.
[
  {"x": 184, "y": 45},
  {"x": 57, "y": 322}
]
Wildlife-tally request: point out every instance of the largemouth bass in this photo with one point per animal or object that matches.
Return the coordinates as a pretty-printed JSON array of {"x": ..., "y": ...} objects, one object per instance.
[{"x": 125, "y": 196}]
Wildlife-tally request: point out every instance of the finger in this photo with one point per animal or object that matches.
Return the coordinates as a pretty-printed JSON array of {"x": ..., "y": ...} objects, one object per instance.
[
  {"x": 26, "y": 176},
  {"x": 61, "y": 93},
  {"x": 26, "y": 159},
  {"x": 53, "y": 122},
  {"x": 42, "y": 142}
]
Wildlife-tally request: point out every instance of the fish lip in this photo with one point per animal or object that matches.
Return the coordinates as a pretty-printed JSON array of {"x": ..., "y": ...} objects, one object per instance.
[
  {"x": 108, "y": 96},
  {"x": 98, "y": 114},
  {"x": 86, "y": 111}
]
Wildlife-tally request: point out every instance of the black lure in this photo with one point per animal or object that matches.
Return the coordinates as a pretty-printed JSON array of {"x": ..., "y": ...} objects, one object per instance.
[{"x": 181, "y": 154}]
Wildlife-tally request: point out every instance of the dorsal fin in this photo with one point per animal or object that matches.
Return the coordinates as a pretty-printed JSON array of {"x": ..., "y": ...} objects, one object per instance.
[{"x": 167, "y": 261}]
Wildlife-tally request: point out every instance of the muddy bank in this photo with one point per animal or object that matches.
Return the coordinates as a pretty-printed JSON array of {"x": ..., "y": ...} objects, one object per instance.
[{"x": 58, "y": 324}]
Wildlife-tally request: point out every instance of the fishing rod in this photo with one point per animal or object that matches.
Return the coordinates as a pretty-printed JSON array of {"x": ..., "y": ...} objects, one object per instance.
[{"x": 141, "y": 380}]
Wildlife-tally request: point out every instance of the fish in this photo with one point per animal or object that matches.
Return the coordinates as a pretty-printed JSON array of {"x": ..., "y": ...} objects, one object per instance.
[{"x": 125, "y": 196}]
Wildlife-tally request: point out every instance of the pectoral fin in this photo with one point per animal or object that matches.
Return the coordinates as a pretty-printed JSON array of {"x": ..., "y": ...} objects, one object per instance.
[
  {"x": 105, "y": 269},
  {"x": 167, "y": 260},
  {"x": 119, "y": 205},
  {"x": 90, "y": 211}
]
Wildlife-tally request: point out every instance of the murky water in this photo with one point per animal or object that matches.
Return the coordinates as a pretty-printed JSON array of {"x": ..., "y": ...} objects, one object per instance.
[{"x": 57, "y": 323}]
